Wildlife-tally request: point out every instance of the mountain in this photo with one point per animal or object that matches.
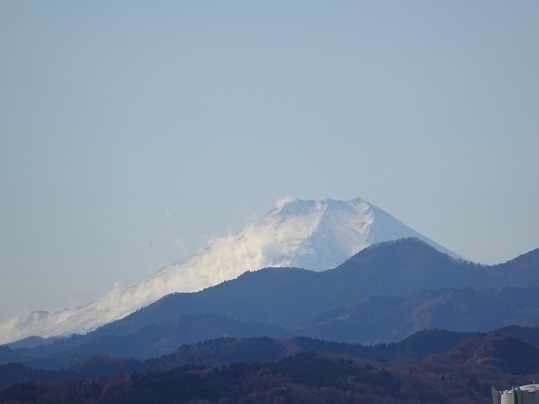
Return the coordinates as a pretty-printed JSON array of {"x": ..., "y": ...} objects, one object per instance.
[
  {"x": 367, "y": 299},
  {"x": 494, "y": 350},
  {"x": 384, "y": 293},
  {"x": 317, "y": 235}
]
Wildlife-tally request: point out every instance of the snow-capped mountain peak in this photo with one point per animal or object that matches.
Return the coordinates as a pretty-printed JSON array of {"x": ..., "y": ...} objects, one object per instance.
[{"x": 315, "y": 235}]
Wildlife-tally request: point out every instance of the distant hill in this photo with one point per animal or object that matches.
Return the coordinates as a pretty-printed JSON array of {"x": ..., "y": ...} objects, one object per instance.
[
  {"x": 430, "y": 366},
  {"x": 502, "y": 352}
]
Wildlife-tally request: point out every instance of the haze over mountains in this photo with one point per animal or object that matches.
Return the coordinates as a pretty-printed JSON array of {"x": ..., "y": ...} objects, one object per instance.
[{"x": 316, "y": 235}]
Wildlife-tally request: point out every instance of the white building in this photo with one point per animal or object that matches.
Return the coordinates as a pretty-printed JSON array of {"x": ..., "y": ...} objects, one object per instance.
[{"x": 528, "y": 394}]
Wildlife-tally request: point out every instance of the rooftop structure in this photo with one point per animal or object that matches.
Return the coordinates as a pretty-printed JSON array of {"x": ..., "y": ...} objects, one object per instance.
[{"x": 528, "y": 394}]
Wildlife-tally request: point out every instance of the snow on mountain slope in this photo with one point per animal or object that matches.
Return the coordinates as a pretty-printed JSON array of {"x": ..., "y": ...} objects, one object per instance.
[{"x": 316, "y": 235}]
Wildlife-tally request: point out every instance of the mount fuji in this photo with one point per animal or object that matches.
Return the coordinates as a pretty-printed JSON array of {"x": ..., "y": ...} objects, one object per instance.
[{"x": 315, "y": 235}]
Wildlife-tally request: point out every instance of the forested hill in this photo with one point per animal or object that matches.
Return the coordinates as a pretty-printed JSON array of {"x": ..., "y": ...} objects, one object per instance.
[{"x": 449, "y": 367}]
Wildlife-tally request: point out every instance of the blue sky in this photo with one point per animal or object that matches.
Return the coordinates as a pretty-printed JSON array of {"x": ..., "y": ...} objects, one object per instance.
[{"x": 130, "y": 132}]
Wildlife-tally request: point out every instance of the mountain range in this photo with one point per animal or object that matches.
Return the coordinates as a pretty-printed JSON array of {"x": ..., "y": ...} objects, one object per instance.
[
  {"x": 382, "y": 294},
  {"x": 317, "y": 235}
]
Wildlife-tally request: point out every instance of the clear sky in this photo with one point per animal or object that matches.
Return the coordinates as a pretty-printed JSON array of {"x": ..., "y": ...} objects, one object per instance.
[{"x": 132, "y": 131}]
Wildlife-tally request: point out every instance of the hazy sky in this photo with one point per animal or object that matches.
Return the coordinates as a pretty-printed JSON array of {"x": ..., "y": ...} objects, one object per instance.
[{"x": 130, "y": 132}]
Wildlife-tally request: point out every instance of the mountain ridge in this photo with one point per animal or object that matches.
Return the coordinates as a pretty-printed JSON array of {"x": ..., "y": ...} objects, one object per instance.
[
  {"x": 316, "y": 235},
  {"x": 429, "y": 366},
  {"x": 342, "y": 305}
]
